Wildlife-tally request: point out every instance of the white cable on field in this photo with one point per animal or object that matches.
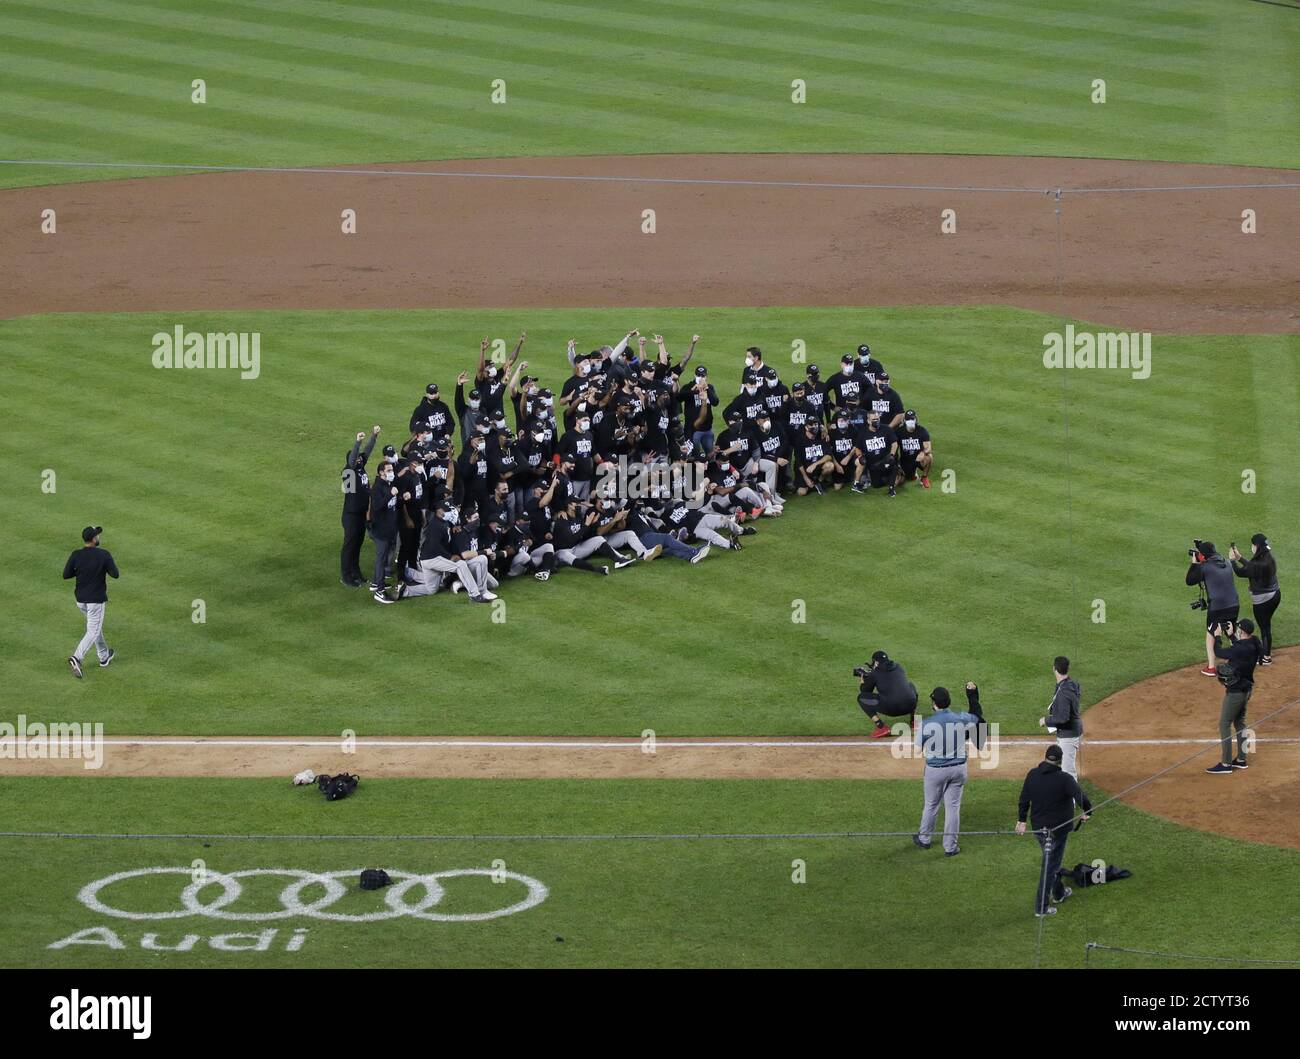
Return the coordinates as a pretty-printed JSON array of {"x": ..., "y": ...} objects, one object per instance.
[
  {"x": 615, "y": 179},
  {"x": 643, "y": 837}
]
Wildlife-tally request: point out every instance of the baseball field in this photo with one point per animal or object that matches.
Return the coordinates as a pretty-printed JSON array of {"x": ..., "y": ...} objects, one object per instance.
[{"x": 666, "y": 767}]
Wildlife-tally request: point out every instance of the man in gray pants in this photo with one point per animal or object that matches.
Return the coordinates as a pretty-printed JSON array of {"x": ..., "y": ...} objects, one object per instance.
[
  {"x": 942, "y": 739},
  {"x": 90, "y": 564}
]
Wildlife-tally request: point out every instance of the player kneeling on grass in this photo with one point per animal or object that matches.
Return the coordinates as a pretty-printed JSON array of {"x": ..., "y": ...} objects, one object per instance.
[
  {"x": 914, "y": 456},
  {"x": 885, "y": 690},
  {"x": 1237, "y": 675},
  {"x": 813, "y": 463},
  {"x": 842, "y": 450},
  {"x": 876, "y": 449},
  {"x": 441, "y": 555}
]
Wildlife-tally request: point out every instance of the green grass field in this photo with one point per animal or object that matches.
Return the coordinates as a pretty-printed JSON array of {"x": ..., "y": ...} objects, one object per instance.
[
  {"x": 226, "y": 491},
  {"x": 301, "y": 82},
  {"x": 875, "y": 902}
]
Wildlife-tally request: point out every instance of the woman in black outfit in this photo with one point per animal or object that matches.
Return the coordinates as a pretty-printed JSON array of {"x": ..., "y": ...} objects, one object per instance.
[{"x": 1265, "y": 595}]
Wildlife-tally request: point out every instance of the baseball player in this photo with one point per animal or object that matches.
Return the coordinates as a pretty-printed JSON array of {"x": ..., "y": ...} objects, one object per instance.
[{"x": 90, "y": 565}]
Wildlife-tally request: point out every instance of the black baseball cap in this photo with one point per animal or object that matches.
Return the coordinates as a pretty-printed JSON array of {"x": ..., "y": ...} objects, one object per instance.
[
  {"x": 909, "y": 414},
  {"x": 567, "y": 457},
  {"x": 91, "y": 532},
  {"x": 798, "y": 387},
  {"x": 701, "y": 371},
  {"x": 474, "y": 395},
  {"x": 734, "y": 416},
  {"x": 1053, "y": 753},
  {"x": 389, "y": 450},
  {"x": 864, "y": 350},
  {"x": 432, "y": 389},
  {"x": 882, "y": 376},
  {"x": 814, "y": 370},
  {"x": 940, "y": 697},
  {"x": 879, "y": 656}
]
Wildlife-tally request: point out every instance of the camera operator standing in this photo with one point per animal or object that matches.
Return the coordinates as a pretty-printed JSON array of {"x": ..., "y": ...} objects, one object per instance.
[
  {"x": 1265, "y": 594},
  {"x": 1240, "y": 658},
  {"x": 1211, "y": 569}
]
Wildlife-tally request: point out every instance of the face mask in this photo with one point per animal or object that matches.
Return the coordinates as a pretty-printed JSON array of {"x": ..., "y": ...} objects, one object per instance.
[
  {"x": 474, "y": 404},
  {"x": 451, "y": 517},
  {"x": 764, "y": 425},
  {"x": 547, "y": 402},
  {"x": 584, "y": 425},
  {"x": 491, "y": 373},
  {"x": 539, "y": 438},
  {"x": 771, "y": 383},
  {"x": 584, "y": 369},
  {"x": 751, "y": 390},
  {"x": 386, "y": 477},
  {"x": 842, "y": 424},
  {"x": 847, "y": 369},
  {"x": 910, "y": 424}
]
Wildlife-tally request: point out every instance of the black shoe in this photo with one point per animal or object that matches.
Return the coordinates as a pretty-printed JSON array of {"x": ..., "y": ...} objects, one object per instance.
[
  {"x": 401, "y": 590},
  {"x": 747, "y": 531},
  {"x": 736, "y": 546},
  {"x": 345, "y": 581},
  {"x": 1050, "y": 910},
  {"x": 857, "y": 487},
  {"x": 1267, "y": 660},
  {"x": 104, "y": 663},
  {"x": 76, "y": 667},
  {"x": 1066, "y": 893},
  {"x": 380, "y": 597},
  {"x": 604, "y": 570},
  {"x": 821, "y": 489},
  {"x": 1219, "y": 770},
  {"x": 622, "y": 563},
  {"x": 1241, "y": 763},
  {"x": 952, "y": 852},
  {"x": 916, "y": 841},
  {"x": 892, "y": 491}
]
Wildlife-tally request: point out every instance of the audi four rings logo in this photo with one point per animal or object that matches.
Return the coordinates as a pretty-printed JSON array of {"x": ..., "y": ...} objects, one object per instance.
[{"x": 429, "y": 887}]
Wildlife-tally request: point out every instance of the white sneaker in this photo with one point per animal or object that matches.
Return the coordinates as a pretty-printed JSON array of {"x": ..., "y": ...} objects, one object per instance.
[
  {"x": 456, "y": 586},
  {"x": 489, "y": 596},
  {"x": 542, "y": 575},
  {"x": 700, "y": 555}
]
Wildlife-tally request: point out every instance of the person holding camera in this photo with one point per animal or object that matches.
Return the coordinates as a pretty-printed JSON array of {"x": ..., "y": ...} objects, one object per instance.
[
  {"x": 1265, "y": 595},
  {"x": 1237, "y": 675},
  {"x": 1221, "y": 605},
  {"x": 942, "y": 738},
  {"x": 886, "y": 690}
]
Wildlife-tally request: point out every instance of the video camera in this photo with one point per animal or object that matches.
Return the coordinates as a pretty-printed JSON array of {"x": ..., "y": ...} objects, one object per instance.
[
  {"x": 1197, "y": 552},
  {"x": 862, "y": 671}
]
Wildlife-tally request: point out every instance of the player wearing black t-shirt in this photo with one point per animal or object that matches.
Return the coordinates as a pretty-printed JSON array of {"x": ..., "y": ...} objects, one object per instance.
[
  {"x": 884, "y": 399},
  {"x": 842, "y": 450},
  {"x": 914, "y": 456},
  {"x": 846, "y": 384},
  {"x": 812, "y": 461},
  {"x": 867, "y": 364},
  {"x": 815, "y": 393},
  {"x": 876, "y": 450}
]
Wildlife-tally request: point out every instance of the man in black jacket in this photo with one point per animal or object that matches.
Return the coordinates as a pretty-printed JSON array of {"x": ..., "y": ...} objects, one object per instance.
[
  {"x": 886, "y": 689},
  {"x": 1049, "y": 796},
  {"x": 1265, "y": 594},
  {"x": 356, "y": 502},
  {"x": 89, "y": 564},
  {"x": 1240, "y": 657},
  {"x": 384, "y": 504}
]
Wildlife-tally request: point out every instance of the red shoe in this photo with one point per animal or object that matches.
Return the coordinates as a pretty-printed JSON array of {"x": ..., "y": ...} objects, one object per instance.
[
  {"x": 881, "y": 732},
  {"x": 756, "y": 512},
  {"x": 1208, "y": 672},
  {"x": 926, "y": 481}
]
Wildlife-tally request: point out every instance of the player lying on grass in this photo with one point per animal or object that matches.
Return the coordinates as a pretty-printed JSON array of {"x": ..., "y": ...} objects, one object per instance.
[{"x": 525, "y": 499}]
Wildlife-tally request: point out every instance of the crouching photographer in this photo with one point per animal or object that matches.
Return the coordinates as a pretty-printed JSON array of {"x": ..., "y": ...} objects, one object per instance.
[
  {"x": 885, "y": 689},
  {"x": 1240, "y": 655},
  {"x": 1219, "y": 600}
]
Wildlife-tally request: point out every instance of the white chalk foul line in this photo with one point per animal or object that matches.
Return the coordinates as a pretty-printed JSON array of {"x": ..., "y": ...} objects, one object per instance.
[{"x": 630, "y": 744}]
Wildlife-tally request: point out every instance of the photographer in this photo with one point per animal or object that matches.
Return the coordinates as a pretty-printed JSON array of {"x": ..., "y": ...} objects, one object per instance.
[
  {"x": 1211, "y": 569},
  {"x": 1237, "y": 675},
  {"x": 1265, "y": 594},
  {"x": 885, "y": 689}
]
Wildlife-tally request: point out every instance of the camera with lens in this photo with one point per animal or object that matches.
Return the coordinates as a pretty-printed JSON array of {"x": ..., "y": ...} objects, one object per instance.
[
  {"x": 861, "y": 671},
  {"x": 1198, "y": 551}
]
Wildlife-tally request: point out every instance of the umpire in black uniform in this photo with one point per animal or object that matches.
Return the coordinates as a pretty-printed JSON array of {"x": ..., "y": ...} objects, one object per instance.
[
  {"x": 1050, "y": 794},
  {"x": 356, "y": 502}
]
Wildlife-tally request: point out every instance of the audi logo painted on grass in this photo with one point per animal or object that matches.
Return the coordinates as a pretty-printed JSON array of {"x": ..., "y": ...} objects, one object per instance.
[{"x": 396, "y": 905}]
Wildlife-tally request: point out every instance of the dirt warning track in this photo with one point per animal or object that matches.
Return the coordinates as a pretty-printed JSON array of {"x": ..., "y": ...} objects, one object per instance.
[
  {"x": 1167, "y": 722},
  {"x": 1145, "y": 245}
]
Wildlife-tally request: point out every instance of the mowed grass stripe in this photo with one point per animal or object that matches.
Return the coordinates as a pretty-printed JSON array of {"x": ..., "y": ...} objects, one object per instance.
[{"x": 226, "y": 491}]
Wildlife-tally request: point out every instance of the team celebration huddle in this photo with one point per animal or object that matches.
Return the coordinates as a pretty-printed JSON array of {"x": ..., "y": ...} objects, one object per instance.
[{"x": 634, "y": 458}]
